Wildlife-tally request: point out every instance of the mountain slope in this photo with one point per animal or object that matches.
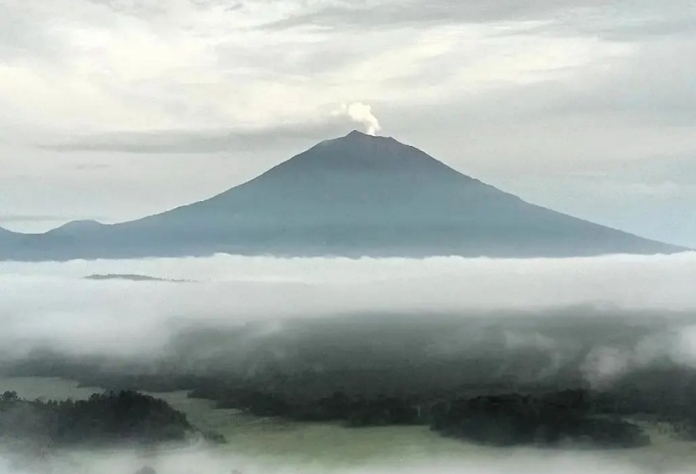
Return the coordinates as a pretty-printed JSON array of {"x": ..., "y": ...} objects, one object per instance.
[{"x": 353, "y": 196}]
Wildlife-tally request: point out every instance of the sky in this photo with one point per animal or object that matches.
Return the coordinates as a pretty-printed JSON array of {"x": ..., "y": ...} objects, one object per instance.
[{"x": 115, "y": 109}]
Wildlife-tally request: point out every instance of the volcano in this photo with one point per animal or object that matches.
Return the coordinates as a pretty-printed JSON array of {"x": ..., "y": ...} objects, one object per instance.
[{"x": 353, "y": 196}]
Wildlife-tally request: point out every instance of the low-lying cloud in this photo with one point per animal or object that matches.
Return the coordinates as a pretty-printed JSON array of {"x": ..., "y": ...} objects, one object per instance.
[
  {"x": 479, "y": 461},
  {"x": 427, "y": 322},
  {"x": 56, "y": 305}
]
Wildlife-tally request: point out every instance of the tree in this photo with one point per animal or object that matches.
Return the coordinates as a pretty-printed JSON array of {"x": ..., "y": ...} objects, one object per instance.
[{"x": 9, "y": 397}]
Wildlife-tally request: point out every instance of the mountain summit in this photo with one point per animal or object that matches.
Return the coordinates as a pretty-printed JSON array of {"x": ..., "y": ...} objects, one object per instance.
[{"x": 357, "y": 195}]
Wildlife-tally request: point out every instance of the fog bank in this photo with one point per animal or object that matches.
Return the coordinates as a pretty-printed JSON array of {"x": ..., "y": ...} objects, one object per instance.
[
  {"x": 471, "y": 461},
  {"x": 607, "y": 314}
]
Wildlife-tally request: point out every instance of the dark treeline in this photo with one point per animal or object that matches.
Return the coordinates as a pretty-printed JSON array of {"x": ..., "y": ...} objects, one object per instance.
[
  {"x": 545, "y": 419},
  {"x": 498, "y": 414},
  {"x": 666, "y": 393},
  {"x": 108, "y": 418},
  {"x": 355, "y": 412}
]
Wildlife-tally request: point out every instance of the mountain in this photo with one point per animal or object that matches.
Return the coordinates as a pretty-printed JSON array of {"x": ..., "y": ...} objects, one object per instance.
[
  {"x": 353, "y": 196},
  {"x": 7, "y": 238}
]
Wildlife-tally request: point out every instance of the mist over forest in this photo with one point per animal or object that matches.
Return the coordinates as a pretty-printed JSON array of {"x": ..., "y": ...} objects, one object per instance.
[
  {"x": 267, "y": 302},
  {"x": 367, "y": 342}
]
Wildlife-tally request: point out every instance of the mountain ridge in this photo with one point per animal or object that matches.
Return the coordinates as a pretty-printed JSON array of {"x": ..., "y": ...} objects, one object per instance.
[{"x": 356, "y": 195}]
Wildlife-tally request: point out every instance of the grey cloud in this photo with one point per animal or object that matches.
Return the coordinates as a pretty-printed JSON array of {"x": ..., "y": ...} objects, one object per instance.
[
  {"x": 652, "y": 89},
  {"x": 17, "y": 218},
  {"x": 419, "y": 12},
  {"x": 91, "y": 166},
  {"x": 633, "y": 21},
  {"x": 298, "y": 60},
  {"x": 155, "y": 9},
  {"x": 138, "y": 8},
  {"x": 202, "y": 141},
  {"x": 28, "y": 218},
  {"x": 647, "y": 29},
  {"x": 657, "y": 86},
  {"x": 24, "y": 35},
  {"x": 615, "y": 21}
]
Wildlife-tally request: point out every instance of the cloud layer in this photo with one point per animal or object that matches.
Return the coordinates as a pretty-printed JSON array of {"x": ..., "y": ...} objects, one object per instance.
[{"x": 53, "y": 304}]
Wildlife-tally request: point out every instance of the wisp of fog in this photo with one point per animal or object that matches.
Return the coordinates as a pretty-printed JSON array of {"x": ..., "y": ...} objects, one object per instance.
[{"x": 521, "y": 461}]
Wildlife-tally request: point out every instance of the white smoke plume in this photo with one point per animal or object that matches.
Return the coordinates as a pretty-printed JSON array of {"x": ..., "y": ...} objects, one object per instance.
[{"x": 359, "y": 113}]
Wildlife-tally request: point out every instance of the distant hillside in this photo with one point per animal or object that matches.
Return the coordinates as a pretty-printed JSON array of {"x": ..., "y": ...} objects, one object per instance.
[{"x": 353, "y": 196}]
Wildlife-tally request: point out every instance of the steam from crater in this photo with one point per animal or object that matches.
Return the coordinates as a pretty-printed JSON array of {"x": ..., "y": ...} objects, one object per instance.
[{"x": 359, "y": 113}]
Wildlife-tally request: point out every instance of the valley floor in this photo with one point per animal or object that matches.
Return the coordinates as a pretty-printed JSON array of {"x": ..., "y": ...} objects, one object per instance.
[{"x": 326, "y": 444}]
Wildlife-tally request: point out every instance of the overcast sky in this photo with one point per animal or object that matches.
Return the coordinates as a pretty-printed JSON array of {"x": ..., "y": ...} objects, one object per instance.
[{"x": 113, "y": 109}]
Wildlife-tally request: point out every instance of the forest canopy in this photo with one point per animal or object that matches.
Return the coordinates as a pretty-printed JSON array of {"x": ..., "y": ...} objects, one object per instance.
[{"x": 110, "y": 417}]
